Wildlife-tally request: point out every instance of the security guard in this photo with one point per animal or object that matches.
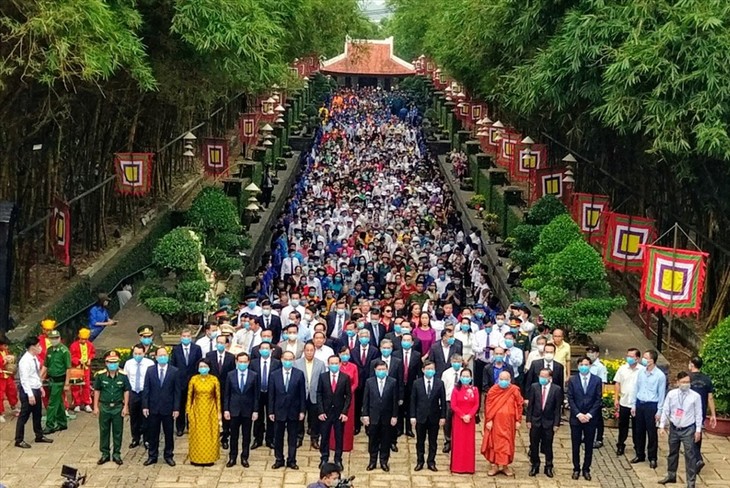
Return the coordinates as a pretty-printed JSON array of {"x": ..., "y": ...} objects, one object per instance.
[
  {"x": 146, "y": 333},
  {"x": 57, "y": 363},
  {"x": 111, "y": 397}
]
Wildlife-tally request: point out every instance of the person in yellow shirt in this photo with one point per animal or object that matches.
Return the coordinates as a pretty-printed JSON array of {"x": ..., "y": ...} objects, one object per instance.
[{"x": 562, "y": 351}]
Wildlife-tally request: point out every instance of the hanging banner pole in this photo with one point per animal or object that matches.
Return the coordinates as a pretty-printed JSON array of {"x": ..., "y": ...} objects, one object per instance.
[{"x": 671, "y": 302}]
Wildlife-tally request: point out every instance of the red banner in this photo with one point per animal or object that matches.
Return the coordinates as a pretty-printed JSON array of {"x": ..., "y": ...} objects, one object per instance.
[
  {"x": 215, "y": 156},
  {"x": 507, "y": 148},
  {"x": 526, "y": 159},
  {"x": 134, "y": 173},
  {"x": 590, "y": 212},
  {"x": 626, "y": 236},
  {"x": 548, "y": 181},
  {"x": 61, "y": 231},
  {"x": 248, "y": 128}
]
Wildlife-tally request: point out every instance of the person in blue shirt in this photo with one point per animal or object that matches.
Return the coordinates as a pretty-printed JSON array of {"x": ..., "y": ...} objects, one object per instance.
[
  {"x": 651, "y": 386},
  {"x": 99, "y": 316}
]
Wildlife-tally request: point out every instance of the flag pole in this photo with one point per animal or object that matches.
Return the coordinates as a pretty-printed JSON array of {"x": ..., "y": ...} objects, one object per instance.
[{"x": 671, "y": 302}]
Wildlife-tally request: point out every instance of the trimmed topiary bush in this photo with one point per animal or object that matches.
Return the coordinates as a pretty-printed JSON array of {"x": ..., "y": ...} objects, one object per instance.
[{"x": 717, "y": 363}]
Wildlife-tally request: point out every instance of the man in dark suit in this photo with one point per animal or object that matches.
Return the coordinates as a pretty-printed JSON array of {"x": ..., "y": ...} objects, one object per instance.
[
  {"x": 241, "y": 407},
  {"x": 160, "y": 404},
  {"x": 267, "y": 336},
  {"x": 442, "y": 350},
  {"x": 548, "y": 361},
  {"x": 222, "y": 362},
  {"x": 544, "y": 406},
  {"x": 491, "y": 372},
  {"x": 411, "y": 370},
  {"x": 185, "y": 357},
  {"x": 380, "y": 413},
  {"x": 395, "y": 370},
  {"x": 287, "y": 404},
  {"x": 337, "y": 319},
  {"x": 264, "y": 366},
  {"x": 333, "y": 400},
  {"x": 348, "y": 338},
  {"x": 377, "y": 330},
  {"x": 584, "y": 398},
  {"x": 362, "y": 356},
  {"x": 269, "y": 321},
  {"x": 428, "y": 414},
  {"x": 401, "y": 328}
]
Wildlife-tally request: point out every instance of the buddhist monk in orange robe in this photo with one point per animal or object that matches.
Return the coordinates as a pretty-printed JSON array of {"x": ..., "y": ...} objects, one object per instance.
[{"x": 503, "y": 412}]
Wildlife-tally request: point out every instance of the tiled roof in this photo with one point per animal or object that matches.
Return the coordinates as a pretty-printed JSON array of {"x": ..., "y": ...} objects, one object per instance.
[{"x": 368, "y": 57}]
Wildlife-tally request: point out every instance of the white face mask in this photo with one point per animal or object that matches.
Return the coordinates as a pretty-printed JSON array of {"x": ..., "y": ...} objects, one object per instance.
[
  {"x": 527, "y": 327},
  {"x": 549, "y": 356},
  {"x": 541, "y": 348}
]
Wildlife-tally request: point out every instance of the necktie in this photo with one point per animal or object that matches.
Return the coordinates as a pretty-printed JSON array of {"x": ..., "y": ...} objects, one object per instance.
[
  {"x": 428, "y": 388},
  {"x": 544, "y": 396},
  {"x": 220, "y": 362},
  {"x": 405, "y": 367},
  {"x": 363, "y": 355},
  {"x": 211, "y": 344},
  {"x": 267, "y": 323},
  {"x": 380, "y": 387},
  {"x": 286, "y": 381},
  {"x": 264, "y": 376},
  {"x": 334, "y": 383},
  {"x": 162, "y": 375},
  {"x": 186, "y": 355},
  {"x": 138, "y": 378},
  {"x": 352, "y": 343},
  {"x": 585, "y": 384},
  {"x": 241, "y": 382}
]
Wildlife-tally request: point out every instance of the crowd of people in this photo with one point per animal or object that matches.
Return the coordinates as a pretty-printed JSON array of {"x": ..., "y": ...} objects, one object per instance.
[{"x": 372, "y": 313}]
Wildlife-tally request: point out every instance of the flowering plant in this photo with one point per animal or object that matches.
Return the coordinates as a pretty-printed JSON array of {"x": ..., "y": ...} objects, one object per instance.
[
  {"x": 608, "y": 411},
  {"x": 612, "y": 365}
]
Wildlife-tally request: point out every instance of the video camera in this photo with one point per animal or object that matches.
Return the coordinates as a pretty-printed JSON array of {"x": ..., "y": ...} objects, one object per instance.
[
  {"x": 71, "y": 478},
  {"x": 345, "y": 483}
]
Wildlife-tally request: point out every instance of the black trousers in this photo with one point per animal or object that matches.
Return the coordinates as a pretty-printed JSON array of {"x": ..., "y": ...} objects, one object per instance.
[
  {"x": 331, "y": 423},
  {"x": 26, "y": 411},
  {"x": 380, "y": 436},
  {"x": 225, "y": 424},
  {"x": 312, "y": 423},
  {"x": 154, "y": 422},
  {"x": 291, "y": 427},
  {"x": 447, "y": 425},
  {"x": 263, "y": 423},
  {"x": 600, "y": 427},
  {"x": 582, "y": 434},
  {"x": 240, "y": 426},
  {"x": 686, "y": 437},
  {"x": 479, "y": 367},
  {"x": 646, "y": 429},
  {"x": 180, "y": 422},
  {"x": 430, "y": 429},
  {"x": 624, "y": 418},
  {"x": 404, "y": 422},
  {"x": 541, "y": 440},
  {"x": 359, "y": 392},
  {"x": 137, "y": 421}
]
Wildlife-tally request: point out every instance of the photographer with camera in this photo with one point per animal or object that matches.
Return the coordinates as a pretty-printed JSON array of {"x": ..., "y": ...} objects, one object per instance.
[{"x": 330, "y": 477}]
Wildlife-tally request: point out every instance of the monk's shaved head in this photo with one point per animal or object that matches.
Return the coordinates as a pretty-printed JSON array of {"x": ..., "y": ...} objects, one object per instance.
[{"x": 504, "y": 375}]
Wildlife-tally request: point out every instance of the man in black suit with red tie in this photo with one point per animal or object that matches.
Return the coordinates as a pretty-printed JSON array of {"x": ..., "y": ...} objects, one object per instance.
[
  {"x": 411, "y": 371},
  {"x": 380, "y": 413},
  {"x": 428, "y": 414},
  {"x": 333, "y": 400},
  {"x": 241, "y": 407},
  {"x": 222, "y": 362},
  {"x": 362, "y": 356},
  {"x": 548, "y": 361},
  {"x": 585, "y": 392},
  {"x": 160, "y": 404},
  {"x": 287, "y": 404},
  {"x": 544, "y": 406}
]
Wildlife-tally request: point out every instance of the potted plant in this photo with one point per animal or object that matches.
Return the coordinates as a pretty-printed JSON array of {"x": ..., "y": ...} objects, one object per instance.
[
  {"x": 505, "y": 249},
  {"x": 476, "y": 202},
  {"x": 491, "y": 222},
  {"x": 717, "y": 367},
  {"x": 467, "y": 184}
]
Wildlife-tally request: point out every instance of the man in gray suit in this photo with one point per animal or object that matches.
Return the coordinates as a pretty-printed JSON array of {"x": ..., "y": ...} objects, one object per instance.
[
  {"x": 290, "y": 341},
  {"x": 312, "y": 369}
]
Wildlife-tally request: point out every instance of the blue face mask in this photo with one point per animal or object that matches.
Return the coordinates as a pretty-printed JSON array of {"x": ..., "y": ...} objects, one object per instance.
[
  {"x": 203, "y": 370},
  {"x": 266, "y": 339},
  {"x": 406, "y": 344},
  {"x": 138, "y": 357},
  {"x": 345, "y": 358},
  {"x": 340, "y": 312},
  {"x": 450, "y": 341},
  {"x": 509, "y": 343},
  {"x": 584, "y": 369},
  {"x": 112, "y": 366},
  {"x": 488, "y": 330},
  {"x": 364, "y": 341},
  {"x": 465, "y": 380},
  {"x": 146, "y": 341},
  {"x": 498, "y": 358},
  {"x": 185, "y": 341},
  {"x": 514, "y": 330},
  {"x": 287, "y": 363},
  {"x": 480, "y": 315},
  {"x": 398, "y": 329},
  {"x": 630, "y": 360},
  {"x": 350, "y": 333},
  {"x": 220, "y": 347},
  {"x": 543, "y": 381},
  {"x": 361, "y": 325},
  {"x": 644, "y": 362},
  {"x": 242, "y": 366},
  {"x": 334, "y": 368},
  {"x": 456, "y": 366},
  {"x": 162, "y": 360},
  {"x": 503, "y": 384},
  {"x": 294, "y": 302},
  {"x": 252, "y": 305},
  {"x": 381, "y": 374},
  {"x": 429, "y": 373},
  {"x": 465, "y": 327},
  {"x": 386, "y": 352},
  {"x": 264, "y": 353}
]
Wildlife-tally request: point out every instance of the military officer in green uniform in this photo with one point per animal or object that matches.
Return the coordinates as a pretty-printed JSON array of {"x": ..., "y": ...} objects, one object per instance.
[
  {"x": 146, "y": 333},
  {"x": 57, "y": 363},
  {"x": 111, "y": 397}
]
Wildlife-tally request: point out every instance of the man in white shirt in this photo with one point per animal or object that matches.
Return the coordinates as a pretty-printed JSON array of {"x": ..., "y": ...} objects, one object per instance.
[
  {"x": 450, "y": 377},
  {"x": 135, "y": 368},
  {"x": 682, "y": 410},
  {"x": 514, "y": 354},
  {"x": 321, "y": 352},
  {"x": 30, "y": 393},
  {"x": 294, "y": 304},
  {"x": 289, "y": 263},
  {"x": 624, "y": 395},
  {"x": 207, "y": 342},
  {"x": 538, "y": 353}
]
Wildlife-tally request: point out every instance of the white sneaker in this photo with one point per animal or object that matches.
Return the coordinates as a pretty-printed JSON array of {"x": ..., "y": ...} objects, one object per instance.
[
  {"x": 88, "y": 409},
  {"x": 77, "y": 409},
  {"x": 2, "y": 419}
]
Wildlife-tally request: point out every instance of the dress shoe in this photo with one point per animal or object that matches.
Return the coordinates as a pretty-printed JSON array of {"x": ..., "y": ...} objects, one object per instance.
[
  {"x": 118, "y": 460},
  {"x": 315, "y": 445},
  {"x": 179, "y": 433},
  {"x": 477, "y": 419},
  {"x": 292, "y": 466},
  {"x": 44, "y": 440},
  {"x": 385, "y": 467},
  {"x": 394, "y": 448},
  {"x": 534, "y": 470},
  {"x": 133, "y": 444},
  {"x": 340, "y": 466},
  {"x": 619, "y": 451},
  {"x": 270, "y": 445},
  {"x": 587, "y": 475},
  {"x": 652, "y": 463},
  {"x": 277, "y": 465},
  {"x": 146, "y": 445},
  {"x": 300, "y": 442},
  {"x": 224, "y": 444},
  {"x": 409, "y": 433},
  {"x": 103, "y": 460},
  {"x": 149, "y": 461},
  {"x": 371, "y": 466},
  {"x": 700, "y": 465},
  {"x": 230, "y": 463},
  {"x": 432, "y": 467},
  {"x": 576, "y": 475},
  {"x": 667, "y": 481},
  {"x": 256, "y": 445},
  {"x": 22, "y": 445},
  {"x": 447, "y": 448},
  {"x": 637, "y": 460},
  {"x": 244, "y": 463},
  {"x": 549, "y": 472},
  {"x": 597, "y": 444},
  {"x": 418, "y": 467},
  {"x": 170, "y": 462}
]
